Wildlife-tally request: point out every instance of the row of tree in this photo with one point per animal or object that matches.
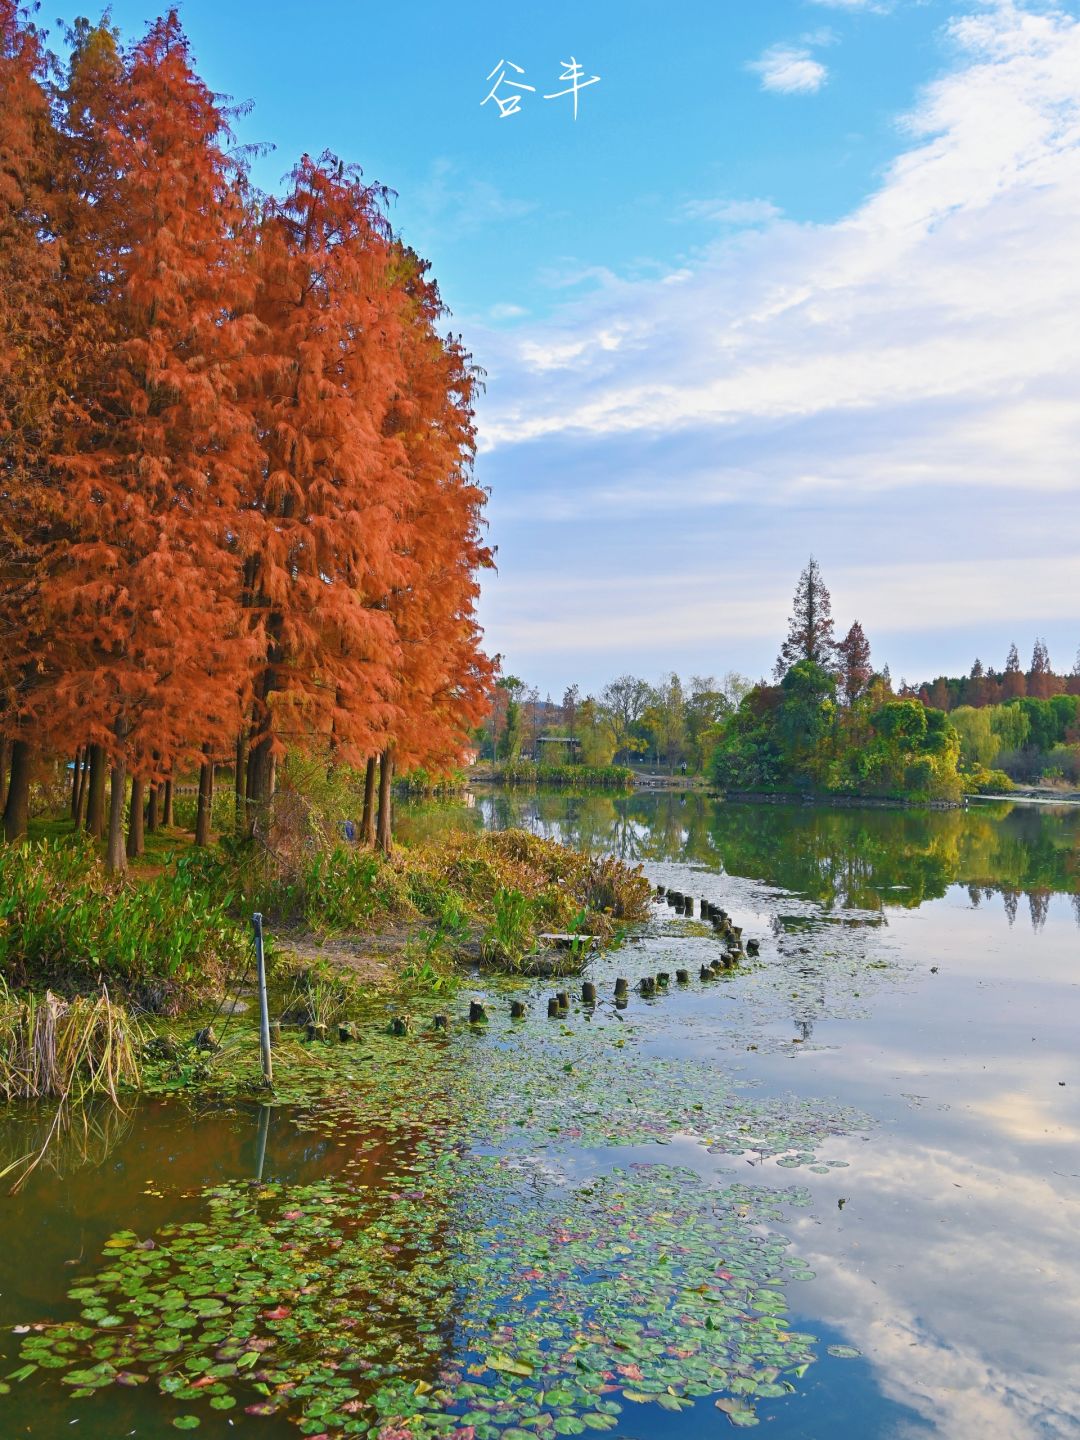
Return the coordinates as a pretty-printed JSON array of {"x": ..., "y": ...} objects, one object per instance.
[
  {"x": 986, "y": 686},
  {"x": 670, "y": 722},
  {"x": 237, "y": 513},
  {"x": 1028, "y": 739}
]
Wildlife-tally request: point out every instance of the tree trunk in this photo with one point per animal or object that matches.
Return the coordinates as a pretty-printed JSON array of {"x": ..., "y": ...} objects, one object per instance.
[
  {"x": 240, "y": 778},
  {"x": 166, "y": 809},
  {"x": 384, "y": 829},
  {"x": 151, "y": 809},
  {"x": 17, "y": 804},
  {"x": 260, "y": 780},
  {"x": 135, "y": 844},
  {"x": 84, "y": 786},
  {"x": 76, "y": 781},
  {"x": 367, "y": 823},
  {"x": 115, "y": 859},
  {"x": 5, "y": 766},
  {"x": 95, "y": 802},
  {"x": 206, "y": 803}
]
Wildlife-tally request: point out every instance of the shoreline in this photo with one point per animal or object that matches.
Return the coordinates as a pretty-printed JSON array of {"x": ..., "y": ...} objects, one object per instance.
[{"x": 838, "y": 802}]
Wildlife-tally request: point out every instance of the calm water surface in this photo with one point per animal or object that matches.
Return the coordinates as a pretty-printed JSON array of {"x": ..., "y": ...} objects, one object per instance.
[{"x": 921, "y": 970}]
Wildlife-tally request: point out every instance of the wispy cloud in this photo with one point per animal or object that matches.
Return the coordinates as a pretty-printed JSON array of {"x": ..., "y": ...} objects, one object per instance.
[
  {"x": 458, "y": 204},
  {"x": 790, "y": 70},
  {"x": 507, "y": 311},
  {"x": 898, "y": 386},
  {"x": 732, "y": 212}
]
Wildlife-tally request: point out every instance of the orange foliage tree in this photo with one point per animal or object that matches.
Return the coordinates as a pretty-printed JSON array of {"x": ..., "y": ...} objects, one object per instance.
[{"x": 236, "y": 506}]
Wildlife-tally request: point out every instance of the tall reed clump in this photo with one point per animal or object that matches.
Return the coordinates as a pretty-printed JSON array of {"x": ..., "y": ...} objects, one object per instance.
[
  {"x": 51, "y": 1048},
  {"x": 70, "y": 1051},
  {"x": 65, "y": 922}
]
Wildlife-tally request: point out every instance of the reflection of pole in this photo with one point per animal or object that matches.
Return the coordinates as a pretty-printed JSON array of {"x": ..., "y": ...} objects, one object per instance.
[
  {"x": 260, "y": 1143},
  {"x": 264, "y": 1012}
]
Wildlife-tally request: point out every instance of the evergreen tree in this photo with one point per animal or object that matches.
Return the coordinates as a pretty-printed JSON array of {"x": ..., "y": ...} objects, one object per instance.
[
  {"x": 1013, "y": 684},
  {"x": 810, "y": 629},
  {"x": 1040, "y": 680},
  {"x": 853, "y": 654}
]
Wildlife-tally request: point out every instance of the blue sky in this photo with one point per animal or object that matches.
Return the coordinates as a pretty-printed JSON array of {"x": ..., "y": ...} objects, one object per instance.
[{"x": 799, "y": 277}]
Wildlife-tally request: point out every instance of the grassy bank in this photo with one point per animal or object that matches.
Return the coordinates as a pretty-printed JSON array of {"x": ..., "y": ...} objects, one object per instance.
[{"x": 167, "y": 937}]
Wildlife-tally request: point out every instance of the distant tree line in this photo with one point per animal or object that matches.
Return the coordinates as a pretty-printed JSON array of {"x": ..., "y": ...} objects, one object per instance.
[
  {"x": 829, "y": 722},
  {"x": 986, "y": 686},
  {"x": 671, "y": 723}
]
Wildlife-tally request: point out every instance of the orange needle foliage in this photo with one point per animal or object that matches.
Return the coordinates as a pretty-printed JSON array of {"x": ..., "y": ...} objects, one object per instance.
[{"x": 236, "y": 508}]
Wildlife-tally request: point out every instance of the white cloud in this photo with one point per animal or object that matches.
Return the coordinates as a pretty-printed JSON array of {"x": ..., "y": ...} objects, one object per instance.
[
  {"x": 789, "y": 70},
  {"x": 688, "y": 605},
  {"x": 935, "y": 324},
  {"x": 732, "y": 212},
  {"x": 898, "y": 388},
  {"x": 458, "y": 204},
  {"x": 507, "y": 311}
]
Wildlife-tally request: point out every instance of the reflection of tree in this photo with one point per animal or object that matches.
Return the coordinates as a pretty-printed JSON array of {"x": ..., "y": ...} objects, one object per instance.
[
  {"x": 841, "y": 858},
  {"x": 1038, "y": 904}
]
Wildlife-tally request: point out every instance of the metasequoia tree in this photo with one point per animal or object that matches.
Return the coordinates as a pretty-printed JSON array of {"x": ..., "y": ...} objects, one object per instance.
[
  {"x": 1013, "y": 683},
  {"x": 30, "y": 391},
  {"x": 149, "y": 639},
  {"x": 325, "y": 506},
  {"x": 443, "y": 676},
  {"x": 236, "y": 505},
  {"x": 1041, "y": 679},
  {"x": 810, "y": 629}
]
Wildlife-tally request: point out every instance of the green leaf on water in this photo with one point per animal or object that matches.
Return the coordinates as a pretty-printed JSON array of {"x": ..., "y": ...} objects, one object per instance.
[{"x": 508, "y": 1365}]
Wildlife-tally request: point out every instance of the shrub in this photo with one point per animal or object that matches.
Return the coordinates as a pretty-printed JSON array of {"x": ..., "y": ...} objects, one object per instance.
[
  {"x": 64, "y": 921},
  {"x": 577, "y": 777},
  {"x": 980, "y": 780}
]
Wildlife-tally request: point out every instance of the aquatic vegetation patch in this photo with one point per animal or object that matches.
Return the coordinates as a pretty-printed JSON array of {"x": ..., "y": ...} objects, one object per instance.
[{"x": 475, "y": 1309}]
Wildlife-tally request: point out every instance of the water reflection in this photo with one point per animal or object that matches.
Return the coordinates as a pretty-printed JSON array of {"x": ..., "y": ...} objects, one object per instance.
[{"x": 841, "y": 859}]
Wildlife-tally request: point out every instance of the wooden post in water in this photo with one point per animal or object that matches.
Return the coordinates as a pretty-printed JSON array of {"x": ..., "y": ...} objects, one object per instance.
[
  {"x": 260, "y": 1144},
  {"x": 264, "y": 1011}
]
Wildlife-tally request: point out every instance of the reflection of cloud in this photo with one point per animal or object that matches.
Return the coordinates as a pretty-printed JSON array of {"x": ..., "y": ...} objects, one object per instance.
[
  {"x": 973, "y": 1323},
  {"x": 789, "y": 70},
  {"x": 1025, "y": 1117}
]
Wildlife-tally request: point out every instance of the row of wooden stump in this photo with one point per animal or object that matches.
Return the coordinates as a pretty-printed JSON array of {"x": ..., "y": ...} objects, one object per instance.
[
  {"x": 558, "y": 1005},
  {"x": 721, "y": 920}
]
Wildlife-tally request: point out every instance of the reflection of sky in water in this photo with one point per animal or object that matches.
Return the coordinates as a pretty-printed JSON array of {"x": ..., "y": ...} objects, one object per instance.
[{"x": 954, "y": 1261}]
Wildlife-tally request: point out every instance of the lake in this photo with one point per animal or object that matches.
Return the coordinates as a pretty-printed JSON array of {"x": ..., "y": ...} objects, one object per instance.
[{"x": 836, "y": 1190}]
